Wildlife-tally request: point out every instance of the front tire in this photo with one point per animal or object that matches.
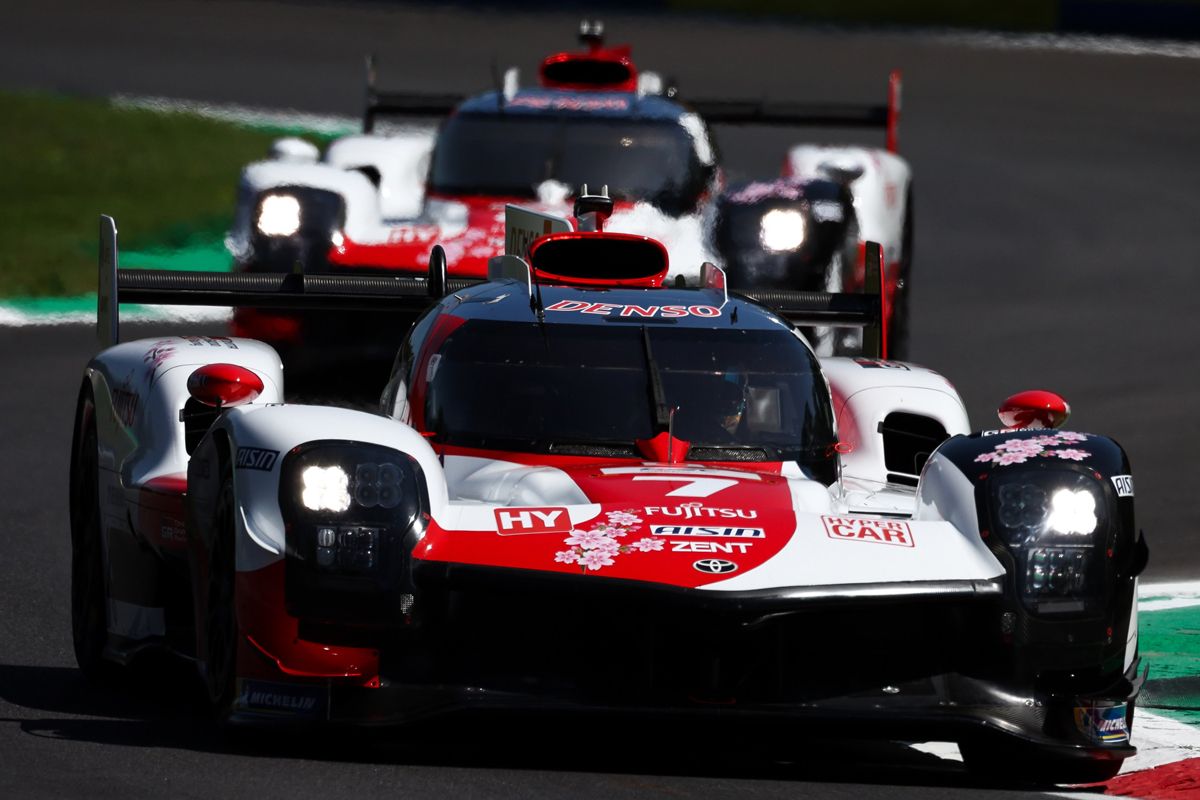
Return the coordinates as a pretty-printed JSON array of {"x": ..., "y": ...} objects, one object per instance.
[
  {"x": 220, "y": 616},
  {"x": 89, "y": 595}
]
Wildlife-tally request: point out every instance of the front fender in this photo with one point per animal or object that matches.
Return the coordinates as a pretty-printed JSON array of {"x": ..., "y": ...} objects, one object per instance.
[{"x": 258, "y": 437}]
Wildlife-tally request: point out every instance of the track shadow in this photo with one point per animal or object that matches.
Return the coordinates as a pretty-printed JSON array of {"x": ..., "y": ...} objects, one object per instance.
[{"x": 159, "y": 705}]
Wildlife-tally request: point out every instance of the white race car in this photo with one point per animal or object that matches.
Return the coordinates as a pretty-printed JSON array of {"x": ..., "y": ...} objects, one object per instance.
[
  {"x": 374, "y": 203},
  {"x": 585, "y": 492}
]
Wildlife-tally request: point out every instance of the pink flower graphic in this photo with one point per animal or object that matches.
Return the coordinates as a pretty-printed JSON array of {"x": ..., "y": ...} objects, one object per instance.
[
  {"x": 588, "y": 540},
  {"x": 1073, "y": 438},
  {"x": 598, "y": 547},
  {"x": 595, "y": 559},
  {"x": 1071, "y": 454},
  {"x": 647, "y": 545},
  {"x": 1019, "y": 446},
  {"x": 623, "y": 519},
  {"x": 1013, "y": 458},
  {"x": 986, "y": 457}
]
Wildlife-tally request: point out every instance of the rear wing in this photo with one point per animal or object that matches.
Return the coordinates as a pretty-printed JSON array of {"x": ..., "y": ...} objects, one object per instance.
[
  {"x": 413, "y": 295},
  {"x": 261, "y": 290},
  {"x": 833, "y": 115},
  {"x": 401, "y": 103}
]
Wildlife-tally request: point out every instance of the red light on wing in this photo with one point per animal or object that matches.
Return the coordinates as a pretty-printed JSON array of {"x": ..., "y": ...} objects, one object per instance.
[{"x": 223, "y": 385}]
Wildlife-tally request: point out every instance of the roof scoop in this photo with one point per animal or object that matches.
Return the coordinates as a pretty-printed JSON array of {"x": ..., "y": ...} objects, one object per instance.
[{"x": 599, "y": 68}]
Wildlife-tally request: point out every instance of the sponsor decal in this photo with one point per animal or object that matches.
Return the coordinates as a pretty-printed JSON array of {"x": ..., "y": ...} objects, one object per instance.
[
  {"x": 1123, "y": 484},
  {"x": 172, "y": 530},
  {"x": 711, "y": 547},
  {"x": 714, "y": 566},
  {"x": 865, "y": 529},
  {"x": 413, "y": 234},
  {"x": 282, "y": 698},
  {"x": 518, "y": 521},
  {"x": 1018, "y": 451},
  {"x": 211, "y": 341},
  {"x": 619, "y": 310},
  {"x": 1102, "y": 724},
  {"x": 699, "y": 511},
  {"x": 879, "y": 363},
  {"x": 600, "y": 546},
  {"x": 256, "y": 458},
  {"x": 569, "y": 103},
  {"x": 124, "y": 405},
  {"x": 707, "y": 530}
]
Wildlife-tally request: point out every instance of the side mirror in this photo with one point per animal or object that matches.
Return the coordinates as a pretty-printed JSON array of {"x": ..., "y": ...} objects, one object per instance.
[
  {"x": 224, "y": 385},
  {"x": 1036, "y": 408}
]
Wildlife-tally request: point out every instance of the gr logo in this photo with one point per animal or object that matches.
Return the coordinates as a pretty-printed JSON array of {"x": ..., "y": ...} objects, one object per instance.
[{"x": 1123, "y": 484}]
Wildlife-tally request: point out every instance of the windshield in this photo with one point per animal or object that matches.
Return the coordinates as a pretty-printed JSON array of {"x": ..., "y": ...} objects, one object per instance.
[
  {"x": 513, "y": 386},
  {"x": 652, "y": 160}
]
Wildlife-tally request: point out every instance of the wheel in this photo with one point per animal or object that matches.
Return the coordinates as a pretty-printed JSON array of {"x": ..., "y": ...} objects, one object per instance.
[
  {"x": 89, "y": 597},
  {"x": 1009, "y": 764},
  {"x": 898, "y": 329},
  {"x": 220, "y": 617}
]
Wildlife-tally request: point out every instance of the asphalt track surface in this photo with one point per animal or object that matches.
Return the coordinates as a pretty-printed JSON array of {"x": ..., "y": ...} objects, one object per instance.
[{"x": 1056, "y": 247}]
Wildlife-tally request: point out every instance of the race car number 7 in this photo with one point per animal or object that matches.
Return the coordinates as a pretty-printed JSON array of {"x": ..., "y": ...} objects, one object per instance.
[{"x": 697, "y": 483}]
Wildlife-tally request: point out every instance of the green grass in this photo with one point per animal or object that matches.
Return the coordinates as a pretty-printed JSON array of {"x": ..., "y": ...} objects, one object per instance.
[{"x": 169, "y": 179}]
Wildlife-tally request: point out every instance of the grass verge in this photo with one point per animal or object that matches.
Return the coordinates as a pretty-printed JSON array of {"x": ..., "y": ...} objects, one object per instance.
[{"x": 169, "y": 179}]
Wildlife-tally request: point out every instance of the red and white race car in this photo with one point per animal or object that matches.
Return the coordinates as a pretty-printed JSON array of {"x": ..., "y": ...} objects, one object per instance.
[
  {"x": 585, "y": 491},
  {"x": 376, "y": 202}
]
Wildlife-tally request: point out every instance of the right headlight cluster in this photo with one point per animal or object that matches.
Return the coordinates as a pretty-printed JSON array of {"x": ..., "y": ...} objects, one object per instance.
[
  {"x": 352, "y": 512},
  {"x": 1055, "y": 524}
]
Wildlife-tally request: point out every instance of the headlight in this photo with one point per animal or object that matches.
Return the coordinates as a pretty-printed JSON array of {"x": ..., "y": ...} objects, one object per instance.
[
  {"x": 782, "y": 230},
  {"x": 278, "y": 215},
  {"x": 1055, "y": 523},
  {"x": 353, "y": 512}
]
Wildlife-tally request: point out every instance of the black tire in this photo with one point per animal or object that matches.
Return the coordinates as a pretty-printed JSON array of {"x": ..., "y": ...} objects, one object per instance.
[
  {"x": 1011, "y": 765},
  {"x": 89, "y": 596},
  {"x": 220, "y": 617}
]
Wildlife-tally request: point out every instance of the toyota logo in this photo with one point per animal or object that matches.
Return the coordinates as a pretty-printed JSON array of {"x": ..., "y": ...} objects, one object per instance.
[{"x": 716, "y": 566}]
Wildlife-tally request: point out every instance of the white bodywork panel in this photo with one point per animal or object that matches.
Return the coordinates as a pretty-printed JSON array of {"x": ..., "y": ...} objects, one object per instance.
[
  {"x": 879, "y": 192},
  {"x": 863, "y": 396},
  {"x": 141, "y": 386},
  {"x": 261, "y": 539},
  {"x": 402, "y": 162}
]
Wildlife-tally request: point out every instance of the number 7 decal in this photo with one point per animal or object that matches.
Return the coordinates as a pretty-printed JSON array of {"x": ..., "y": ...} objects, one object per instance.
[{"x": 698, "y": 483}]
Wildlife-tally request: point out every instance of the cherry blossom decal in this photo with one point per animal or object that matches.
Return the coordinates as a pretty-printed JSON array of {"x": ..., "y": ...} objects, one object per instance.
[
  {"x": 599, "y": 547},
  {"x": 1018, "y": 451}
]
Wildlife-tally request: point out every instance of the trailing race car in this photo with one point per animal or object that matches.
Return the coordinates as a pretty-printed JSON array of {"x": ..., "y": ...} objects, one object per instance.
[
  {"x": 375, "y": 203},
  {"x": 590, "y": 492}
]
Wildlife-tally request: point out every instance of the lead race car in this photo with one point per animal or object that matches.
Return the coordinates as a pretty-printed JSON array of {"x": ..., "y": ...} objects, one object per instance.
[
  {"x": 374, "y": 203},
  {"x": 587, "y": 492}
]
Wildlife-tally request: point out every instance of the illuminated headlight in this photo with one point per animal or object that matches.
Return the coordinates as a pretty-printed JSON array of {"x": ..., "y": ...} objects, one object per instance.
[
  {"x": 1053, "y": 523},
  {"x": 279, "y": 215},
  {"x": 325, "y": 489},
  {"x": 782, "y": 230}
]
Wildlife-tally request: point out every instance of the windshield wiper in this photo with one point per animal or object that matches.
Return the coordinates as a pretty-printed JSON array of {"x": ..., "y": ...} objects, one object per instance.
[{"x": 658, "y": 397}]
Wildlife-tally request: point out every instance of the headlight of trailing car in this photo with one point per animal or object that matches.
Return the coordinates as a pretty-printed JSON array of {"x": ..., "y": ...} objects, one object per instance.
[
  {"x": 1055, "y": 523},
  {"x": 353, "y": 513},
  {"x": 782, "y": 230},
  {"x": 278, "y": 215}
]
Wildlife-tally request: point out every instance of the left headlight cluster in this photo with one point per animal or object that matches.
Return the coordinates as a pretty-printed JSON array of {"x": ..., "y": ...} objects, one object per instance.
[
  {"x": 1056, "y": 525},
  {"x": 353, "y": 513},
  {"x": 278, "y": 215}
]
